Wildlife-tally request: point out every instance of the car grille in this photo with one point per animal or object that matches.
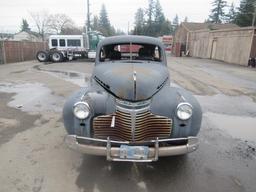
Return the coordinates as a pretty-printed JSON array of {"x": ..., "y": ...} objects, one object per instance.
[{"x": 132, "y": 127}]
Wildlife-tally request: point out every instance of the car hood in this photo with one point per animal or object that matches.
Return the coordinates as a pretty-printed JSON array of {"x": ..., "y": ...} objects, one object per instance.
[{"x": 131, "y": 81}]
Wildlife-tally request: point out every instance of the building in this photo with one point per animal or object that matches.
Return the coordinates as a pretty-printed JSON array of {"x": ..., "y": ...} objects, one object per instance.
[
  {"x": 224, "y": 42},
  {"x": 27, "y": 36},
  {"x": 6, "y": 36},
  {"x": 182, "y": 34}
]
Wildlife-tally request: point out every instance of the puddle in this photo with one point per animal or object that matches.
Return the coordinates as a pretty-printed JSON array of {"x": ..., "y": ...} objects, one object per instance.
[
  {"x": 237, "y": 126},
  {"x": 32, "y": 97},
  {"x": 230, "y": 105},
  {"x": 80, "y": 79}
]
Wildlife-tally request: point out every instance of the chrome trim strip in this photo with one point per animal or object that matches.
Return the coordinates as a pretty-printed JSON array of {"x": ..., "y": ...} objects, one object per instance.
[
  {"x": 113, "y": 121},
  {"x": 133, "y": 104},
  {"x": 134, "y": 85},
  {"x": 126, "y": 110}
]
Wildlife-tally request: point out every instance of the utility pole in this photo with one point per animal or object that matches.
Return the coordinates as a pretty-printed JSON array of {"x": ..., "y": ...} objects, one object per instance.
[
  {"x": 254, "y": 14},
  {"x": 128, "y": 29},
  {"x": 88, "y": 16}
]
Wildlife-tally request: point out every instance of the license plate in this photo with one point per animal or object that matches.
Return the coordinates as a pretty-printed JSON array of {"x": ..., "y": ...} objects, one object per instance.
[{"x": 134, "y": 152}]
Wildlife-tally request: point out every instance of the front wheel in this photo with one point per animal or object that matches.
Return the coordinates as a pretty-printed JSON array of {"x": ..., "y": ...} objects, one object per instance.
[
  {"x": 42, "y": 56},
  {"x": 56, "y": 57}
]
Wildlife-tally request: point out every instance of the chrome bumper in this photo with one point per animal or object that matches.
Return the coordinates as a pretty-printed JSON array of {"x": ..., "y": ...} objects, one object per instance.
[{"x": 113, "y": 153}]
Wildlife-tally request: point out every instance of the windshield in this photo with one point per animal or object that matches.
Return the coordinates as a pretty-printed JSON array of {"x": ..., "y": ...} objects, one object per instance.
[{"x": 129, "y": 51}]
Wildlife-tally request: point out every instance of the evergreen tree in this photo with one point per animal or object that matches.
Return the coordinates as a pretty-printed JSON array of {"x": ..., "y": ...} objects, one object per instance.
[
  {"x": 166, "y": 28},
  {"x": 217, "y": 13},
  {"x": 155, "y": 23},
  {"x": 160, "y": 24},
  {"x": 24, "y": 25},
  {"x": 104, "y": 23},
  {"x": 230, "y": 17},
  {"x": 245, "y": 13},
  {"x": 150, "y": 11},
  {"x": 95, "y": 23},
  {"x": 149, "y": 28},
  {"x": 158, "y": 12},
  {"x": 139, "y": 22},
  {"x": 175, "y": 22}
]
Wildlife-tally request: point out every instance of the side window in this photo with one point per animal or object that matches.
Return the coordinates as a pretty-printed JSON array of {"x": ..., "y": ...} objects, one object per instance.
[
  {"x": 62, "y": 42},
  {"x": 54, "y": 42},
  {"x": 157, "y": 54},
  {"x": 74, "y": 43}
]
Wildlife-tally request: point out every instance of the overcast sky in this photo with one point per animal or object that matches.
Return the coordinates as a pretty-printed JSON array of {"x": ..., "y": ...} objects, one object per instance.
[{"x": 120, "y": 11}]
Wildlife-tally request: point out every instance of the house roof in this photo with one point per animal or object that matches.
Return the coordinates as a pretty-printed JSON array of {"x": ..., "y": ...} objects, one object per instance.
[
  {"x": 190, "y": 26},
  {"x": 30, "y": 33}
]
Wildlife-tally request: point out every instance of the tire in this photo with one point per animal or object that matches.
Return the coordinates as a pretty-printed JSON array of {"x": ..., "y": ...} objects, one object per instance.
[
  {"x": 56, "y": 57},
  {"x": 42, "y": 56}
]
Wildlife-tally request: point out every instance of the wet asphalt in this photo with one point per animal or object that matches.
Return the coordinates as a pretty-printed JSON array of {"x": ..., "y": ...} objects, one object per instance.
[{"x": 34, "y": 158}]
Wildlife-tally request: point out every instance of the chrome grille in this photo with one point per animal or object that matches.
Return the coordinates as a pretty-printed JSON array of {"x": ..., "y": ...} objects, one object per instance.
[{"x": 134, "y": 127}]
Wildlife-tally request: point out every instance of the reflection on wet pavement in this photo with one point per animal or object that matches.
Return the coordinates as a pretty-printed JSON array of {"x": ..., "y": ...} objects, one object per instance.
[
  {"x": 233, "y": 114},
  {"x": 240, "y": 127},
  {"x": 32, "y": 97},
  {"x": 80, "y": 79}
]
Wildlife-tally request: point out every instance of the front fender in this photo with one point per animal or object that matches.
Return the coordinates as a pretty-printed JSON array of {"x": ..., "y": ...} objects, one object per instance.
[
  {"x": 165, "y": 102},
  {"x": 100, "y": 102}
]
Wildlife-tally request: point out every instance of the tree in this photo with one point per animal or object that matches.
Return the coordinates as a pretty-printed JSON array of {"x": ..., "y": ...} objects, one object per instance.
[
  {"x": 58, "y": 22},
  {"x": 150, "y": 11},
  {"x": 231, "y": 16},
  {"x": 104, "y": 23},
  {"x": 175, "y": 22},
  {"x": 24, "y": 25},
  {"x": 245, "y": 13},
  {"x": 139, "y": 22},
  {"x": 41, "y": 20},
  {"x": 152, "y": 21},
  {"x": 71, "y": 30},
  {"x": 166, "y": 28},
  {"x": 217, "y": 13},
  {"x": 158, "y": 13},
  {"x": 119, "y": 32},
  {"x": 95, "y": 23}
]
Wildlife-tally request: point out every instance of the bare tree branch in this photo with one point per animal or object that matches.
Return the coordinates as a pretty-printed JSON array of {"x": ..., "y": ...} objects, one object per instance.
[
  {"x": 58, "y": 22},
  {"x": 41, "y": 20}
]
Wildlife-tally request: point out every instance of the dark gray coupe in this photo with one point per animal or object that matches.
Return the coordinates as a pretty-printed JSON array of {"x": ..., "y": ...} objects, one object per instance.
[{"x": 129, "y": 112}]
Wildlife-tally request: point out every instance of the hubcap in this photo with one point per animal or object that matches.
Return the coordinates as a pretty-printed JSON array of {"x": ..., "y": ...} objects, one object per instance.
[
  {"x": 56, "y": 57},
  {"x": 41, "y": 56}
]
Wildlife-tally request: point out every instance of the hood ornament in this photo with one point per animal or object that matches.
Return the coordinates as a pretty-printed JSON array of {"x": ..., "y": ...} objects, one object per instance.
[{"x": 134, "y": 84}]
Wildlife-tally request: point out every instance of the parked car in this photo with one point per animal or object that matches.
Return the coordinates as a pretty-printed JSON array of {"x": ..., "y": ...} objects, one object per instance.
[{"x": 129, "y": 112}]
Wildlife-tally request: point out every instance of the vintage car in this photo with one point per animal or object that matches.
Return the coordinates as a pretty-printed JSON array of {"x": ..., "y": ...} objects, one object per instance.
[{"x": 129, "y": 111}]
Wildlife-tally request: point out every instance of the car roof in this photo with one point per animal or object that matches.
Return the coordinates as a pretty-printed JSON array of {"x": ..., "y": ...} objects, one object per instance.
[{"x": 130, "y": 39}]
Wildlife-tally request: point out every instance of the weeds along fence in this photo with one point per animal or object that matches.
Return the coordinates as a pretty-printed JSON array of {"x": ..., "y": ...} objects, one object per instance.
[{"x": 18, "y": 51}]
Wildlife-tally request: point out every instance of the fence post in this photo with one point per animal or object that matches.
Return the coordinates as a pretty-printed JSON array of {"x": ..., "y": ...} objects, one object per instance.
[{"x": 3, "y": 52}]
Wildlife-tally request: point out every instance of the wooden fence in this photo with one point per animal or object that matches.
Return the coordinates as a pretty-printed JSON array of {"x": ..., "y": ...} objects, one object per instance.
[{"x": 18, "y": 51}]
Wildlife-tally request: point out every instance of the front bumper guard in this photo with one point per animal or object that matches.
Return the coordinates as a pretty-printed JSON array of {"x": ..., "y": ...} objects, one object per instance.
[{"x": 113, "y": 153}]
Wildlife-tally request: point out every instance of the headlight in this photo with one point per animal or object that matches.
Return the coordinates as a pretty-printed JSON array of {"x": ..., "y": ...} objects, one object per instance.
[
  {"x": 184, "y": 111},
  {"x": 81, "y": 110}
]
